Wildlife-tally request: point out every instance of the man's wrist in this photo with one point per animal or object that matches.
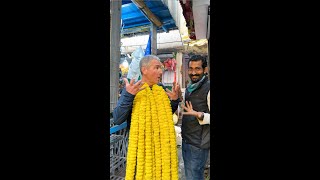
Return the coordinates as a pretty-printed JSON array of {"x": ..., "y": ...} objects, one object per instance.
[
  {"x": 175, "y": 99},
  {"x": 200, "y": 115}
]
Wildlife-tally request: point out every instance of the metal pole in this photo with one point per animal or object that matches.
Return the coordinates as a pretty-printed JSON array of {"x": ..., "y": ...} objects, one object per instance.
[
  {"x": 153, "y": 30},
  {"x": 115, "y": 14}
]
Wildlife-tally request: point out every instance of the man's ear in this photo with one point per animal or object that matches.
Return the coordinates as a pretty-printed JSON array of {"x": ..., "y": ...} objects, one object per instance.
[
  {"x": 143, "y": 70},
  {"x": 206, "y": 70}
]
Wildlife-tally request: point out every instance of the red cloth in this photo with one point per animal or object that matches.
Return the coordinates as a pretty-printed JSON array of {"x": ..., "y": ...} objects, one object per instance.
[{"x": 188, "y": 15}]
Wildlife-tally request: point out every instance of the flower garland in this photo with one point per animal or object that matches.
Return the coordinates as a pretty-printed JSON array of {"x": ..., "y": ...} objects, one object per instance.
[
  {"x": 133, "y": 140},
  {"x": 170, "y": 64},
  {"x": 152, "y": 150}
]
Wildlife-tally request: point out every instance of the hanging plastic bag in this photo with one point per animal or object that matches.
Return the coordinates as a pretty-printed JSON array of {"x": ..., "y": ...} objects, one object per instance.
[{"x": 134, "y": 69}]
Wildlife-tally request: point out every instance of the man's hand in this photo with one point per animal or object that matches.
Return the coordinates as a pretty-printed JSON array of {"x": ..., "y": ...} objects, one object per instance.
[
  {"x": 174, "y": 94},
  {"x": 133, "y": 88},
  {"x": 190, "y": 111}
]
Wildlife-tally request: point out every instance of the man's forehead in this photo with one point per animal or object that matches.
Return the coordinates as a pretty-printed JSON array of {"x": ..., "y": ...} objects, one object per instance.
[
  {"x": 155, "y": 62},
  {"x": 195, "y": 63}
]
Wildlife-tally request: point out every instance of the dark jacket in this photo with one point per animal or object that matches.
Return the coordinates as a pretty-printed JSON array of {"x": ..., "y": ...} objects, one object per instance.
[
  {"x": 123, "y": 111},
  {"x": 192, "y": 132}
]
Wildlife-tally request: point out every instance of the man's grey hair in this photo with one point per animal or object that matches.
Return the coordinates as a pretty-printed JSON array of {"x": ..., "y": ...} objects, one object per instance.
[{"x": 145, "y": 61}]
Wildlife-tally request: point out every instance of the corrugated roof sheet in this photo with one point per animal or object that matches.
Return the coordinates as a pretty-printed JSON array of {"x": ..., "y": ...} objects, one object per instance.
[{"x": 133, "y": 19}]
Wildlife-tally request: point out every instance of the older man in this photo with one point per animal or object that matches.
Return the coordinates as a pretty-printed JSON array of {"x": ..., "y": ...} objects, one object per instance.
[
  {"x": 148, "y": 109},
  {"x": 151, "y": 70}
]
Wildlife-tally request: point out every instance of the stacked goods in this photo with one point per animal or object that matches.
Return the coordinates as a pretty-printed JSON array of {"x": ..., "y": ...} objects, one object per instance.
[{"x": 152, "y": 150}]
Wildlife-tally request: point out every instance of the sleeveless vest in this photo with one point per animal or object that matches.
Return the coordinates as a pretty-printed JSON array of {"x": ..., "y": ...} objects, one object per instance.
[{"x": 192, "y": 132}]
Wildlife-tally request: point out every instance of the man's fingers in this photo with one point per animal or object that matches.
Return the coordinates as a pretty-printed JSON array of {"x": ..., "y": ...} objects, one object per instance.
[
  {"x": 138, "y": 83},
  {"x": 140, "y": 89},
  {"x": 168, "y": 90},
  {"x": 187, "y": 102},
  {"x": 177, "y": 87},
  {"x": 132, "y": 81},
  {"x": 184, "y": 108},
  {"x": 174, "y": 88},
  {"x": 190, "y": 105},
  {"x": 125, "y": 81}
]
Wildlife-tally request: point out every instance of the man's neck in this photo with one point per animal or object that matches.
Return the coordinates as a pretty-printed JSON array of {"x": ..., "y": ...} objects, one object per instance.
[{"x": 145, "y": 81}]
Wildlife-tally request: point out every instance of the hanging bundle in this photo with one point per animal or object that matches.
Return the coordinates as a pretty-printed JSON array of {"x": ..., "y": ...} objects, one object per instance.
[
  {"x": 152, "y": 150},
  {"x": 170, "y": 64}
]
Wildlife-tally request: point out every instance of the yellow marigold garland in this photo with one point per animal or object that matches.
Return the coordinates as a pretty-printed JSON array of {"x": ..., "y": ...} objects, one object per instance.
[
  {"x": 141, "y": 140},
  {"x": 156, "y": 136},
  {"x": 148, "y": 139},
  {"x": 133, "y": 140},
  {"x": 164, "y": 133},
  {"x": 152, "y": 150},
  {"x": 173, "y": 143}
]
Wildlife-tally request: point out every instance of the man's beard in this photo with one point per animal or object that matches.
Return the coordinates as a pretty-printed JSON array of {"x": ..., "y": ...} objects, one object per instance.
[{"x": 197, "y": 76}]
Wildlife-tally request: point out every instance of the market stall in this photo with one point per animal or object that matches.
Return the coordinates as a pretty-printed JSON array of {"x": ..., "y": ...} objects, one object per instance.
[{"x": 133, "y": 23}]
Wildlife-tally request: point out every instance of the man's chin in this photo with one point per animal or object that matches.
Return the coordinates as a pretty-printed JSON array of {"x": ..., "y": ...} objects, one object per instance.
[{"x": 194, "y": 80}]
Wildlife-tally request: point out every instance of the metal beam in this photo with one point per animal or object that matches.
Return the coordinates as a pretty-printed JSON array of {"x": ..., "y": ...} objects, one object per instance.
[
  {"x": 165, "y": 29},
  {"x": 147, "y": 12}
]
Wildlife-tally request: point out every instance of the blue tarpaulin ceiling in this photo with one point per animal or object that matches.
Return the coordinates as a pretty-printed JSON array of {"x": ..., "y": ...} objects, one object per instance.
[{"x": 133, "y": 20}]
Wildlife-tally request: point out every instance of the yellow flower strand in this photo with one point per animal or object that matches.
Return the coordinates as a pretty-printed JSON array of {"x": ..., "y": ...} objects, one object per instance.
[
  {"x": 164, "y": 132},
  {"x": 173, "y": 143},
  {"x": 164, "y": 105},
  {"x": 133, "y": 140},
  {"x": 148, "y": 139},
  {"x": 141, "y": 141},
  {"x": 156, "y": 137}
]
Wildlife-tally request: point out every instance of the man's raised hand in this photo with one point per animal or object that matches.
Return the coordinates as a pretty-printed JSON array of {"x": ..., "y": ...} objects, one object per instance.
[
  {"x": 133, "y": 88},
  {"x": 174, "y": 94}
]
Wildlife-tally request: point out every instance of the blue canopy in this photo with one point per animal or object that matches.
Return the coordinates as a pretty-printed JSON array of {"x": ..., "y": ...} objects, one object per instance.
[{"x": 133, "y": 20}]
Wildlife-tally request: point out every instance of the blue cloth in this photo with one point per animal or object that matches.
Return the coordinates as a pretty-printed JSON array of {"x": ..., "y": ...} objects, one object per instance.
[
  {"x": 123, "y": 111},
  {"x": 148, "y": 48},
  {"x": 194, "y": 161}
]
